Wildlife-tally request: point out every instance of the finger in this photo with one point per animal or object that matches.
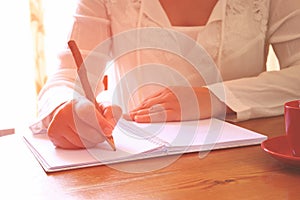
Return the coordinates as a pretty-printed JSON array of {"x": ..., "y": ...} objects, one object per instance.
[
  {"x": 86, "y": 133},
  {"x": 160, "y": 107},
  {"x": 151, "y": 100},
  {"x": 127, "y": 117},
  {"x": 139, "y": 112},
  {"x": 113, "y": 114},
  {"x": 84, "y": 140},
  {"x": 70, "y": 140},
  {"x": 157, "y": 113},
  {"x": 60, "y": 141},
  {"x": 149, "y": 104},
  {"x": 86, "y": 112},
  {"x": 163, "y": 116},
  {"x": 156, "y": 94},
  {"x": 76, "y": 127},
  {"x": 61, "y": 134}
]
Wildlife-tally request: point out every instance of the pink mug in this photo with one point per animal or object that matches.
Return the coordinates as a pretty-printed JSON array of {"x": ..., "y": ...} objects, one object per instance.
[{"x": 292, "y": 125}]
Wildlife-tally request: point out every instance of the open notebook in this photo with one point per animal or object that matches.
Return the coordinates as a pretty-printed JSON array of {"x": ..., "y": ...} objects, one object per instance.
[{"x": 139, "y": 141}]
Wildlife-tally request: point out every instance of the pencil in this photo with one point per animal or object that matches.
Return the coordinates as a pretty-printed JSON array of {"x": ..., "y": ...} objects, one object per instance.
[{"x": 81, "y": 70}]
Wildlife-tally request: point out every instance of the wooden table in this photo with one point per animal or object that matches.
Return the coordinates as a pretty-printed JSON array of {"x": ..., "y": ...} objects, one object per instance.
[{"x": 238, "y": 173}]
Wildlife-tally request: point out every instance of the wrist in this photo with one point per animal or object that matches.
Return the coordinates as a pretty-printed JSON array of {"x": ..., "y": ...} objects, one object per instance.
[{"x": 210, "y": 105}]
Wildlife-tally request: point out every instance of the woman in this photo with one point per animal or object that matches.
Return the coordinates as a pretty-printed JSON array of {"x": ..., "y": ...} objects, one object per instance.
[{"x": 236, "y": 34}]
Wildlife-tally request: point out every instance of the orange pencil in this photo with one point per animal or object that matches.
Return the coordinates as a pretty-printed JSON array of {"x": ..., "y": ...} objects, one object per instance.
[{"x": 85, "y": 83}]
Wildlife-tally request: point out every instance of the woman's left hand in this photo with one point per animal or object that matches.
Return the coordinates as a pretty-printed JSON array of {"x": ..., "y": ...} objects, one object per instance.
[{"x": 175, "y": 104}]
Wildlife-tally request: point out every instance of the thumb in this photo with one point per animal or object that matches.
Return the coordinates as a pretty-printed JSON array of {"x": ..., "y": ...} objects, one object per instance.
[{"x": 112, "y": 114}]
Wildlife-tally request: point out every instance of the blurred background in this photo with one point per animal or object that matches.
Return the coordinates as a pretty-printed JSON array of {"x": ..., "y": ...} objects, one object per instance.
[{"x": 32, "y": 32}]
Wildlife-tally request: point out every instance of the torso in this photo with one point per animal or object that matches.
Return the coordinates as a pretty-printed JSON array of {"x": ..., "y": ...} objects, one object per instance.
[{"x": 188, "y": 12}]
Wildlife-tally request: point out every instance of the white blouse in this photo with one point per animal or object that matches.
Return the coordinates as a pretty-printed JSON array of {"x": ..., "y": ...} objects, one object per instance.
[{"x": 234, "y": 44}]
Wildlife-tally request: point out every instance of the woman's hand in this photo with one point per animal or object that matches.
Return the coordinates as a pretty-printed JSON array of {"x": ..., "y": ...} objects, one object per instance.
[
  {"x": 78, "y": 124},
  {"x": 178, "y": 104}
]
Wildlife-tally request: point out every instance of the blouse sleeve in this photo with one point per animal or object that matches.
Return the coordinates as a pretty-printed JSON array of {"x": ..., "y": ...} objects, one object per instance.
[
  {"x": 264, "y": 95},
  {"x": 89, "y": 29}
]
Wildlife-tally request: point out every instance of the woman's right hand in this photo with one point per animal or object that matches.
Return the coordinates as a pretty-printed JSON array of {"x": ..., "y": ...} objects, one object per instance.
[{"x": 78, "y": 124}]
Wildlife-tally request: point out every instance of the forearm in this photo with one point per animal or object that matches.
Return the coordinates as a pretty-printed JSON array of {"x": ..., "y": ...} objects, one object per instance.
[{"x": 260, "y": 96}]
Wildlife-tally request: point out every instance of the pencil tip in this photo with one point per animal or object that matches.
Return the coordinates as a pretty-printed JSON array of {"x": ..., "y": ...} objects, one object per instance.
[{"x": 112, "y": 143}]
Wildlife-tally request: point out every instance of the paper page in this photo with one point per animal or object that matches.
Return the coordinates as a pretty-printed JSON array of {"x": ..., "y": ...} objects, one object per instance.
[
  {"x": 56, "y": 158},
  {"x": 199, "y": 135}
]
